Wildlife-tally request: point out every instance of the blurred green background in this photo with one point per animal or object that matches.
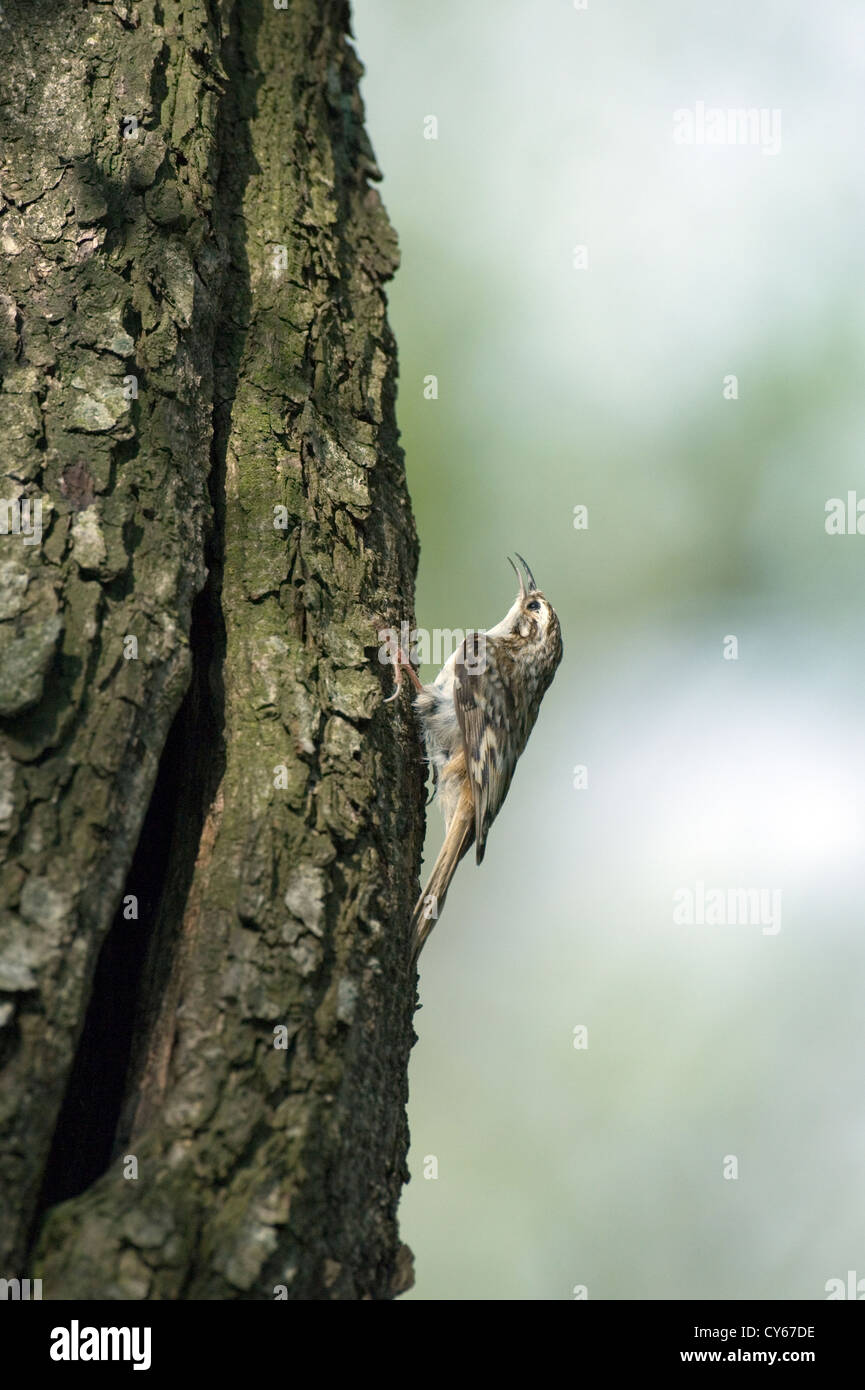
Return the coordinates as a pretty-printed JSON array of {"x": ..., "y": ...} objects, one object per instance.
[{"x": 603, "y": 1167}]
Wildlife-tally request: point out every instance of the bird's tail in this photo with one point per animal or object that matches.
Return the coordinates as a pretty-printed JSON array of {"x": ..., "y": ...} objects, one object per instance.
[{"x": 459, "y": 837}]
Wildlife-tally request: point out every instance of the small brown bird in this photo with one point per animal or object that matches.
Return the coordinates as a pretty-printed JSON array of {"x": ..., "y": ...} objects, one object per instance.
[{"x": 476, "y": 717}]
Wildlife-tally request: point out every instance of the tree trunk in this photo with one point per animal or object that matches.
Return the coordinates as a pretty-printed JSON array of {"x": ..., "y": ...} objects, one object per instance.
[{"x": 211, "y": 827}]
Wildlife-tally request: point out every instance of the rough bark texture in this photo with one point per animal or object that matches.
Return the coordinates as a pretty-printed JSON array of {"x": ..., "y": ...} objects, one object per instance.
[{"x": 255, "y": 1016}]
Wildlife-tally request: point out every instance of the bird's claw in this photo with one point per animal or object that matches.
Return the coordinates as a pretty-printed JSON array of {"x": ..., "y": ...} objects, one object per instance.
[{"x": 401, "y": 662}]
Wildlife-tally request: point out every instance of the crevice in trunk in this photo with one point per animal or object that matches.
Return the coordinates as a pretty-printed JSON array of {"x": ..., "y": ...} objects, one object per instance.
[
  {"x": 134, "y": 963},
  {"x": 195, "y": 752}
]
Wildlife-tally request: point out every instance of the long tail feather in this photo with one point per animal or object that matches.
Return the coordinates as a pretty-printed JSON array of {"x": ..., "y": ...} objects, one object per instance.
[{"x": 459, "y": 837}]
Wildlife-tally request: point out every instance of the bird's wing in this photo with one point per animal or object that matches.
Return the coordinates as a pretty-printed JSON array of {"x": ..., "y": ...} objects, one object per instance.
[{"x": 487, "y": 719}]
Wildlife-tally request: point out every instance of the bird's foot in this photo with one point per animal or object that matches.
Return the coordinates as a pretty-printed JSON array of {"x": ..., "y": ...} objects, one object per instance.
[{"x": 401, "y": 663}]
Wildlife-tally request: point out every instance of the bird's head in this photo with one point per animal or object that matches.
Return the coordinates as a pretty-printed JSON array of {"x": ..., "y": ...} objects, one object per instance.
[{"x": 533, "y": 617}]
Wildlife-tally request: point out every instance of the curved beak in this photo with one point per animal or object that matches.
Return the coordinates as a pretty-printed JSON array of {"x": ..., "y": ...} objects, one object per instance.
[
  {"x": 529, "y": 576},
  {"x": 519, "y": 577}
]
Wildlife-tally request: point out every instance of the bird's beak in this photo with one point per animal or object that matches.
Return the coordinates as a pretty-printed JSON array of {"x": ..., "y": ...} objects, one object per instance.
[
  {"x": 529, "y": 576},
  {"x": 519, "y": 577}
]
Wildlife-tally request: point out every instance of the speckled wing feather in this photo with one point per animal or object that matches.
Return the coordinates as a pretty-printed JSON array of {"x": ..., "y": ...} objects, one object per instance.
[{"x": 488, "y": 722}]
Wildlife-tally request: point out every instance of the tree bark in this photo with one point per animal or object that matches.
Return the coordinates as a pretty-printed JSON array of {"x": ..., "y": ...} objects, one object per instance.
[{"x": 210, "y": 833}]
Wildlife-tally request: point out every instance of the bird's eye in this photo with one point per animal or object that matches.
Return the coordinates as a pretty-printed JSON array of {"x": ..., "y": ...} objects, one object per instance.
[{"x": 534, "y": 606}]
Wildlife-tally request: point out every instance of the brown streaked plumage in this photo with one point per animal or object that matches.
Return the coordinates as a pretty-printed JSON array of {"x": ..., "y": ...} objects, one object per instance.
[{"x": 476, "y": 718}]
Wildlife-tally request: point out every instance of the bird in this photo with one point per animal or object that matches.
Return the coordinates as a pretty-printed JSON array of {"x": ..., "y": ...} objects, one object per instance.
[{"x": 476, "y": 717}]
